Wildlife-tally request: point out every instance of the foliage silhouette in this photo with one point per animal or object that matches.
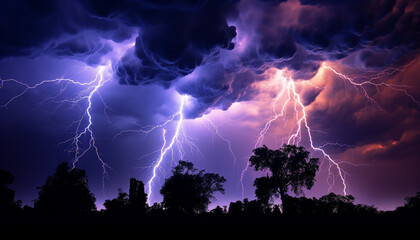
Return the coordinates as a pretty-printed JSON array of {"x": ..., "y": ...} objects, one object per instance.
[
  {"x": 333, "y": 204},
  {"x": 330, "y": 204},
  {"x": 289, "y": 166},
  {"x": 236, "y": 208},
  {"x": 189, "y": 192},
  {"x": 411, "y": 206},
  {"x": 302, "y": 205},
  {"x": 8, "y": 205},
  {"x": 133, "y": 203},
  {"x": 66, "y": 192},
  {"x": 117, "y": 206},
  {"x": 156, "y": 210},
  {"x": 218, "y": 211}
]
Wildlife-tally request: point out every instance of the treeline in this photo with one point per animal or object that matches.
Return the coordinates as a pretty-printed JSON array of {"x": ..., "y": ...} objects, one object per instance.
[{"x": 66, "y": 198}]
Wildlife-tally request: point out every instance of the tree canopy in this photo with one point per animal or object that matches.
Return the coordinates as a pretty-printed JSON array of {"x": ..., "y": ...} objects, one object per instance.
[
  {"x": 411, "y": 206},
  {"x": 65, "y": 192},
  {"x": 289, "y": 166},
  {"x": 189, "y": 191},
  {"x": 117, "y": 205}
]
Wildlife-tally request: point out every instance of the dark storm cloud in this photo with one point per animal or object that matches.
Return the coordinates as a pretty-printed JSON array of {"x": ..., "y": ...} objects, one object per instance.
[
  {"x": 63, "y": 28},
  {"x": 176, "y": 38},
  {"x": 384, "y": 31},
  {"x": 86, "y": 47},
  {"x": 332, "y": 30},
  {"x": 213, "y": 86}
]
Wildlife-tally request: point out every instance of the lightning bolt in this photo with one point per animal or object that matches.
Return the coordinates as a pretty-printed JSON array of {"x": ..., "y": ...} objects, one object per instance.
[
  {"x": 27, "y": 87},
  {"x": 296, "y": 137},
  {"x": 87, "y": 130},
  {"x": 166, "y": 147},
  {"x": 370, "y": 82},
  {"x": 86, "y": 95}
]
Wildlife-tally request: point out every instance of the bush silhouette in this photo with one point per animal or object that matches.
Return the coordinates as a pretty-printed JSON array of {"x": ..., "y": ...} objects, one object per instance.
[
  {"x": 302, "y": 205},
  {"x": 411, "y": 206},
  {"x": 117, "y": 206},
  {"x": 218, "y": 211},
  {"x": 413, "y": 202},
  {"x": 330, "y": 204},
  {"x": 189, "y": 191},
  {"x": 133, "y": 203},
  {"x": 66, "y": 192},
  {"x": 236, "y": 208},
  {"x": 336, "y": 204}
]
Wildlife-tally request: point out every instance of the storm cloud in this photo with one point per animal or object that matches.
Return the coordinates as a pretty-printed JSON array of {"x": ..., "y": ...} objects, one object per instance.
[
  {"x": 34, "y": 28},
  {"x": 227, "y": 43}
]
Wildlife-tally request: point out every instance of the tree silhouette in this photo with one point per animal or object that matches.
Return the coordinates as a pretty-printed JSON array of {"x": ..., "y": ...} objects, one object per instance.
[
  {"x": 117, "y": 205},
  {"x": 137, "y": 198},
  {"x": 302, "y": 205},
  {"x": 189, "y": 192},
  {"x": 236, "y": 208},
  {"x": 290, "y": 166},
  {"x": 66, "y": 192},
  {"x": 342, "y": 205},
  {"x": 336, "y": 204},
  {"x": 217, "y": 211},
  {"x": 411, "y": 206},
  {"x": 253, "y": 207},
  {"x": 8, "y": 205},
  {"x": 413, "y": 202}
]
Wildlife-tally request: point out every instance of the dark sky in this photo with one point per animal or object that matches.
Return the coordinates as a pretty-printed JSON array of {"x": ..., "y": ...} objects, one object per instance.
[{"x": 338, "y": 77}]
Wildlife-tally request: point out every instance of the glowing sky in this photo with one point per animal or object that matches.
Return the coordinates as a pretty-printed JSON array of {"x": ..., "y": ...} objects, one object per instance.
[{"x": 126, "y": 88}]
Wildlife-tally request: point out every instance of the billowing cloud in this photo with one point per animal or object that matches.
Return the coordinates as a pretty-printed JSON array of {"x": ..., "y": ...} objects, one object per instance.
[{"x": 220, "y": 47}]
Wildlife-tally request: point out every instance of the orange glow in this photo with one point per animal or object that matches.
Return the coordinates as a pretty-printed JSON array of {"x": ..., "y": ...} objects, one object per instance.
[{"x": 373, "y": 147}]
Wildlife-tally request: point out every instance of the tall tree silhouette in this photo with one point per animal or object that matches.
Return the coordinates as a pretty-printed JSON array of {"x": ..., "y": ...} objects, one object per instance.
[
  {"x": 8, "y": 205},
  {"x": 137, "y": 197},
  {"x": 290, "y": 166},
  {"x": 189, "y": 191},
  {"x": 65, "y": 192}
]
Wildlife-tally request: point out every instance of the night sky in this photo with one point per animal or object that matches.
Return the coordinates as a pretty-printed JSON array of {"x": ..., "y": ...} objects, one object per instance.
[{"x": 126, "y": 88}]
